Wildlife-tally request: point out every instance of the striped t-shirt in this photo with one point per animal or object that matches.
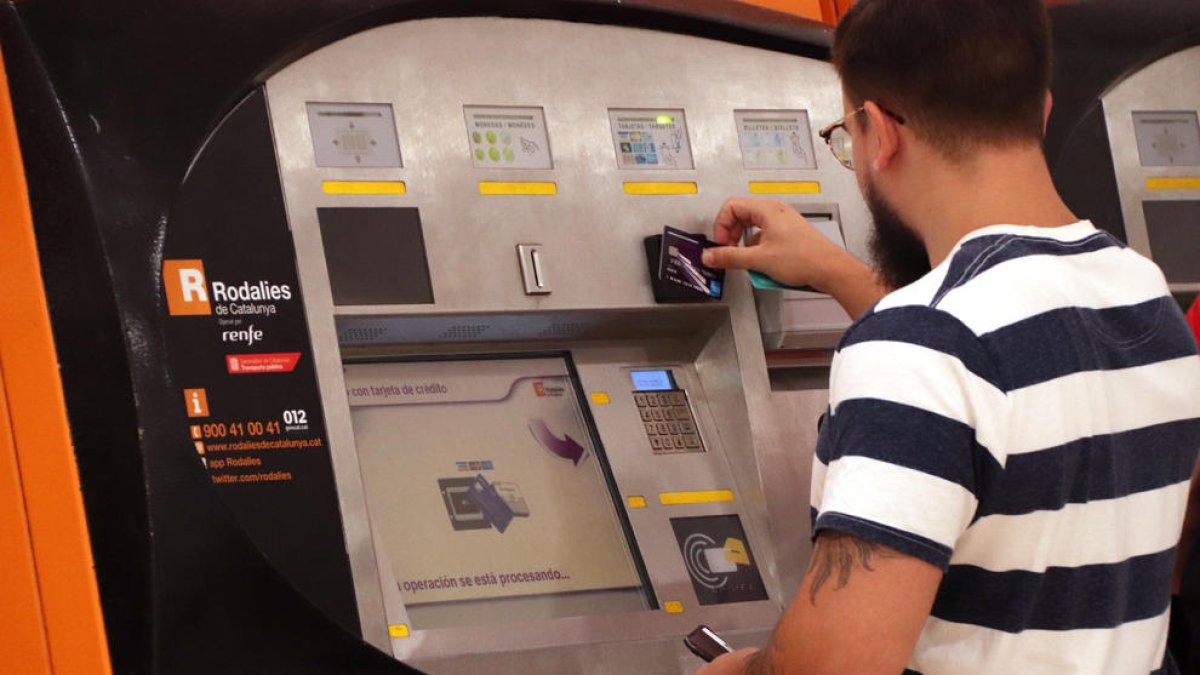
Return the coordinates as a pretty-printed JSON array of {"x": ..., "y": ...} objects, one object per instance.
[{"x": 1026, "y": 417}]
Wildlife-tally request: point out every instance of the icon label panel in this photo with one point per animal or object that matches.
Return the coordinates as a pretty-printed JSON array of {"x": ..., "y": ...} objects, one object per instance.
[
  {"x": 358, "y": 135},
  {"x": 775, "y": 139},
  {"x": 508, "y": 137},
  {"x": 651, "y": 139},
  {"x": 1168, "y": 138}
]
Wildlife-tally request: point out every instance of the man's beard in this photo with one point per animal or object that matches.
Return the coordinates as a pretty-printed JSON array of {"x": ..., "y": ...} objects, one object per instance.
[{"x": 898, "y": 253}]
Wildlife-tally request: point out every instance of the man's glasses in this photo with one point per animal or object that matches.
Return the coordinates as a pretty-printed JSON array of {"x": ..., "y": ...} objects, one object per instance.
[{"x": 839, "y": 140}]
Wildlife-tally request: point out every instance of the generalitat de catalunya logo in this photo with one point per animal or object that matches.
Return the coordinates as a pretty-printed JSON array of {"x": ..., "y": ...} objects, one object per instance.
[{"x": 187, "y": 292}]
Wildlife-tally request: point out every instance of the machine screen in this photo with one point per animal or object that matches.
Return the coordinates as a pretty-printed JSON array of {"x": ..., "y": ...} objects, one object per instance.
[
  {"x": 489, "y": 498},
  {"x": 1172, "y": 228},
  {"x": 652, "y": 380}
]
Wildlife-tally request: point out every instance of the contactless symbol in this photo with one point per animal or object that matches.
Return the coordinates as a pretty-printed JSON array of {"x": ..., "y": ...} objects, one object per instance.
[
  {"x": 718, "y": 559},
  {"x": 700, "y": 554}
]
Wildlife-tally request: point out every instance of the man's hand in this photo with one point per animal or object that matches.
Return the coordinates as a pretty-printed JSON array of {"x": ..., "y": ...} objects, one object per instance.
[
  {"x": 790, "y": 250},
  {"x": 735, "y": 663}
]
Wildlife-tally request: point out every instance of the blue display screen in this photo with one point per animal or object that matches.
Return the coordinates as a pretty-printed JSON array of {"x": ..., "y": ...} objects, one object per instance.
[{"x": 652, "y": 380}]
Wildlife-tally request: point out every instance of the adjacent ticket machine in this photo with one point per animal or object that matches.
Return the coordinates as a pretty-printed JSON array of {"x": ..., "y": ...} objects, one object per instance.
[
  {"x": 399, "y": 371},
  {"x": 1124, "y": 148},
  {"x": 1124, "y": 142}
]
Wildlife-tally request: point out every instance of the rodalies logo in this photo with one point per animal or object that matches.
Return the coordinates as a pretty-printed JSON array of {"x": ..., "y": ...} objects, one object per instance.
[
  {"x": 187, "y": 292},
  {"x": 542, "y": 390}
]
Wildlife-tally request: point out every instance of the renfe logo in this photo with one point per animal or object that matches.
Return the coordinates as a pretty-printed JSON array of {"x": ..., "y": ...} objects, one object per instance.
[{"x": 187, "y": 292}]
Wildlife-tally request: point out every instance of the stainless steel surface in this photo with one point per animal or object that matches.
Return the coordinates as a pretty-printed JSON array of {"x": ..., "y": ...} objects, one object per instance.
[
  {"x": 602, "y": 309},
  {"x": 1169, "y": 84}
]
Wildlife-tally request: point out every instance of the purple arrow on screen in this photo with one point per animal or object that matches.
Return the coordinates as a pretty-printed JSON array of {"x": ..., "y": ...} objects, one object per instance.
[{"x": 566, "y": 447}]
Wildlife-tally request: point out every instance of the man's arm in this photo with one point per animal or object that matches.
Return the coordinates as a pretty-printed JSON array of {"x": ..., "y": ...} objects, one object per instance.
[
  {"x": 792, "y": 251},
  {"x": 860, "y": 610}
]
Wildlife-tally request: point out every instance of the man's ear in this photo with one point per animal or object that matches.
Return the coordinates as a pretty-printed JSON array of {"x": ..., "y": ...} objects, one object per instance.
[
  {"x": 1049, "y": 105},
  {"x": 887, "y": 133}
]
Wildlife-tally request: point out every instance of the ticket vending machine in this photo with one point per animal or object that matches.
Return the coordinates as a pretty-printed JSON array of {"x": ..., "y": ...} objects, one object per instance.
[
  {"x": 1124, "y": 142},
  {"x": 399, "y": 375}
]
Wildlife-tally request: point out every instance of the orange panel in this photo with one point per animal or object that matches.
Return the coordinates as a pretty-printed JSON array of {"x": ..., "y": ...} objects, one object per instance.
[
  {"x": 70, "y": 602},
  {"x": 806, "y": 8},
  {"x": 21, "y": 621}
]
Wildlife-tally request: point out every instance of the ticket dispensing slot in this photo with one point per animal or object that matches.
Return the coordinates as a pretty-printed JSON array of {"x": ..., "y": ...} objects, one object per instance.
[{"x": 793, "y": 319}]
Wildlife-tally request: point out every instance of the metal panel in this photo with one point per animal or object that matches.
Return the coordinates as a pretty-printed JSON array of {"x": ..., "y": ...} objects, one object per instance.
[
  {"x": 590, "y": 233},
  {"x": 1165, "y": 85}
]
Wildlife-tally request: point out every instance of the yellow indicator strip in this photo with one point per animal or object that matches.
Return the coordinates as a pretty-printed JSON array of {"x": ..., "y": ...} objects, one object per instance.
[
  {"x": 673, "y": 607},
  {"x": 364, "y": 187},
  {"x": 536, "y": 188},
  {"x": 637, "y": 502},
  {"x": 1173, "y": 183},
  {"x": 677, "y": 188},
  {"x": 601, "y": 398},
  {"x": 801, "y": 187},
  {"x": 398, "y": 630},
  {"x": 695, "y": 497}
]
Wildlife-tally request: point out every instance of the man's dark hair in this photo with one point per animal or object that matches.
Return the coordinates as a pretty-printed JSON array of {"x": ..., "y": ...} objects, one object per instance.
[{"x": 963, "y": 73}]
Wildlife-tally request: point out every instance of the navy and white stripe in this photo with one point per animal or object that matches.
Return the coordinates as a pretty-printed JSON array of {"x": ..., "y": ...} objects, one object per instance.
[{"x": 1025, "y": 417}]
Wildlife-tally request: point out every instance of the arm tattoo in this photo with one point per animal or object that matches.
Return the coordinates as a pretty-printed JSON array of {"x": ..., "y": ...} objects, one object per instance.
[{"x": 841, "y": 552}]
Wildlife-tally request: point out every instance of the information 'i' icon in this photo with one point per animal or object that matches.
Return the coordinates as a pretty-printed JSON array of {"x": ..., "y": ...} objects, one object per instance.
[{"x": 196, "y": 401}]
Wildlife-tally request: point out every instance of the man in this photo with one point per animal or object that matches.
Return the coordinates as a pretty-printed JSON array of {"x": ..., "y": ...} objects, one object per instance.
[{"x": 1002, "y": 473}]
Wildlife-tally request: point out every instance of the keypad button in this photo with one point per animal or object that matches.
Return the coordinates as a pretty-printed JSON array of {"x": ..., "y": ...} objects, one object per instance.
[
  {"x": 677, "y": 398},
  {"x": 673, "y": 427},
  {"x": 652, "y": 400},
  {"x": 646, "y": 417},
  {"x": 691, "y": 440},
  {"x": 640, "y": 399},
  {"x": 656, "y": 443},
  {"x": 657, "y": 414},
  {"x": 651, "y": 428},
  {"x": 687, "y": 427},
  {"x": 682, "y": 414}
]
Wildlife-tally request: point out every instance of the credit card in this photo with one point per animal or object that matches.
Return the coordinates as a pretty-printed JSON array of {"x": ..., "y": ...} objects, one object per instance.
[
  {"x": 680, "y": 263},
  {"x": 511, "y": 494},
  {"x": 483, "y": 494},
  {"x": 760, "y": 280}
]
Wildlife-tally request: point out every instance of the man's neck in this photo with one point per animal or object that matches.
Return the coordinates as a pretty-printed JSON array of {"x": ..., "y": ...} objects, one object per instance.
[{"x": 1010, "y": 186}]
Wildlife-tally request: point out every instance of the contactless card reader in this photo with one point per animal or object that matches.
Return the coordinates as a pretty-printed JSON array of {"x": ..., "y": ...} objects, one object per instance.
[{"x": 677, "y": 274}]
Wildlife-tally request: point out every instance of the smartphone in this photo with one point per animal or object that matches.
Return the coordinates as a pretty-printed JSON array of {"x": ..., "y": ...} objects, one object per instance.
[{"x": 706, "y": 644}]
